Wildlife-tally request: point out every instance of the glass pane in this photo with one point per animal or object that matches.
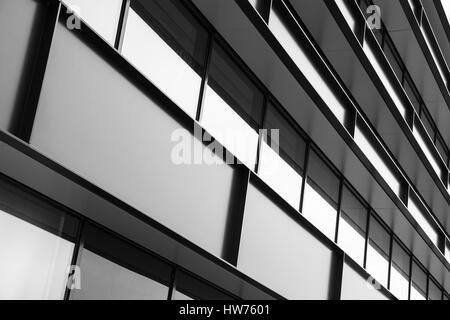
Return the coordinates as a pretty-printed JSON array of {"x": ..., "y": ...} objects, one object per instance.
[
  {"x": 352, "y": 226},
  {"x": 418, "y": 283},
  {"x": 232, "y": 109},
  {"x": 391, "y": 56},
  {"x": 378, "y": 252},
  {"x": 281, "y": 157},
  {"x": 419, "y": 213},
  {"x": 357, "y": 287},
  {"x": 278, "y": 252},
  {"x": 411, "y": 93},
  {"x": 101, "y": 15},
  {"x": 423, "y": 140},
  {"x": 36, "y": 247},
  {"x": 377, "y": 161},
  {"x": 190, "y": 288},
  {"x": 287, "y": 35},
  {"x": 442, "y": 149},
  {"x": 168, "y": 46},
  {"x": 321, "y": 196},
  {"x": 112, "y": 269},
  {"x": 399, "y": 272},
  {"x": 434, "y": 292}
]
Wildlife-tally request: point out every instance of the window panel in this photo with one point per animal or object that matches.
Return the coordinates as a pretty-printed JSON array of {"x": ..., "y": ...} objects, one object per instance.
[
  {"x": 356, "y": 287},
  {"x": 36, "y": 247},
  {"x": 418, "y": 211},
  {"x": 232, "y": 108},
  {"x": 281, "y": 162},
  {"x": 418, "y": 283},
  {"x": 112, "y": 269},
  {"x": 378, "y": 252},
  {"x": 278, "y": 252},
  {"x": 101, "y": 15},
  {"x": 399, "y": 272},
  {"x": 352, "y": 226},
  {"x": 412, "y": 94},
  {"x": 286, "y": 34},
  {"x": 428, "y": 153},
  {"x": 434, "y": 291},
  {"x": 165, "y": 42},
  {"x": 321, "y": 196}
]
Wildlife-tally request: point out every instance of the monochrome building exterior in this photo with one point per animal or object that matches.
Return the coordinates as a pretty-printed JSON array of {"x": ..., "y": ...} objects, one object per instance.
[{"x": 225, "y": 149}]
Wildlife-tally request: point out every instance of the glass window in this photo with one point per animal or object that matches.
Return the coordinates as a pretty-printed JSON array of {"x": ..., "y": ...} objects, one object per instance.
[
  {"x": 378, "y": 251},
  {"x": 399, "y": 271},
  {"x": 412, "y": 93},
  {"x": 419, "y": 213},
  {"x": 421, "y": 139},
  {"x": 191, "y": 288},
  {"x": 442, "y": 148},
  {"x": 112, "y": 269},
  {"x": 418, "y": 283},
  {"x": 434, "y": 291},
  {"x": 352, "y": 226},
  {"x": 101, "y": 15},
  {"x": 357, "y": 287},
  {"x": 165, "y": 42},
  {"x": 447, "y": 250},
  {"x": 278, "y": 252},
  {"x": 233, "y": 106},
  {"x": 281, "y": 157},
  {"x": 287, "y": 34},
  {"x": 377, "y": 161},
  {"x": 321, "y": 196},
  {"x": 391, "y": 55},
  {"x": 36, "y": 247}
]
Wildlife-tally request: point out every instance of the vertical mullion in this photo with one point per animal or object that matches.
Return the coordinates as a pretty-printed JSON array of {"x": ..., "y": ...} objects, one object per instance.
[
  {"x": 339, "y": 208},
  {"x": 76, "y": 256},
  {"x": 366, "y": 244},
  {"x": 305, "y": 174},
  {"x": 207, "y": 62},
  {"x": 410, "y": 275},
  {"x": 391, "y": 243},
  {"x": 122, "y": 24},
  {"x": 261, "y": 132},
  {"x": 427, "y": 291},
  {"x": 172, "y": 284}
]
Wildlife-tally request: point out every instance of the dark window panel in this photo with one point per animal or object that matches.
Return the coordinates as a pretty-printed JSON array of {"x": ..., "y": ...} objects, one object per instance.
[
  {"x": 378, "y": 251},
  {"x": 352, "y": 225},
  {"x": 113, "y": 269},
  {"x": 191, "y": 288},
  {"x": 320, "y": 199},
  {"x": 399, "y": 271},
  {"x": 418, "y": 283}
]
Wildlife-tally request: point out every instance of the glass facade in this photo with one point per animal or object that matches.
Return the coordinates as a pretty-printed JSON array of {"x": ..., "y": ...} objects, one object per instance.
[{"x": 282, "y": 222}]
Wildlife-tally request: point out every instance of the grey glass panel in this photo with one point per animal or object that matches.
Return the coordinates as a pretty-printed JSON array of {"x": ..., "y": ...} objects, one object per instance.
[
  {"x": 434, "y": 292},
  {"x": 442, "y": 149},
  {"x": 356, "y": 287},
  {"x": 167, "y": 45},
  {"x": 321, "y": 196},
  {"x": 280, "y": 253},
  {"x": 19, "y": 30},
  {"x": 392, "y": 57},
  {"x": 112, "y": 269},
  {"x": 408, "y": 86},
  {"x": 127, "y": 144},
  {"x": 399, "y": 272},
  {"x": 418, "y": 283},
  {"x": 378, "y": 252},
  {"x": 352, "y": 226},
  {"x": 36, "y": 247},
  {"x": 232, "y": 108},
  {"x": 101, "y": 15},
  {"x": 281, "y": 157},
  {"x": 190, "y": 288}
]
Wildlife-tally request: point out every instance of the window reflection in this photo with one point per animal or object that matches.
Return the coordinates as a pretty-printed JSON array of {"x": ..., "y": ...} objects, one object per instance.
[
  {"x": 378, "y": 252},
  {"x": 424, "y": 146},
  {"x": 434, "y": 292},
  {"x": 399, "y": 272},
  {"x": 232, "y": 108},
  {"x": 418, "y": 211},
  {"x": 168, "y": 46},
  {"x": 352, "y": 226},
  {"x": 112, "y": 269},
  {"x": 190, "y": 288},
  {"x": 281, "y": 157},
  {"x": 321, "y": 196}
]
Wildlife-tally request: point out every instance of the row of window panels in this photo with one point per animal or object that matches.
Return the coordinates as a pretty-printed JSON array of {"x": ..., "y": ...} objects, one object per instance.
[
  {"x": 419, "y": 133},
  {"x": 186, "y": 58},
  {"x": 39, "y": 243},
  {"x": 423, "y": 126}
]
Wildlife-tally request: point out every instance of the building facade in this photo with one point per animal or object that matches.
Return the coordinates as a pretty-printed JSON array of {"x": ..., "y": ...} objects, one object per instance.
[{"x": 224, "y": 149}]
